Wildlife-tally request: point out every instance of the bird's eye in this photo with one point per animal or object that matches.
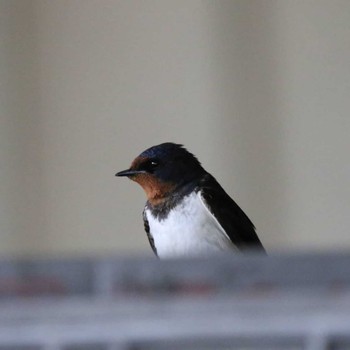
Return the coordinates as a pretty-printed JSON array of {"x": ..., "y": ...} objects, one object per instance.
[{"x": 151, "y": 165}]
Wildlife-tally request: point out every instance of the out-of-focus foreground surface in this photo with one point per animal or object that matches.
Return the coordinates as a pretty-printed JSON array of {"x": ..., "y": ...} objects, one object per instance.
[
  {"x": 258, "y": 90},
  {"x": 249, "y": 302}
]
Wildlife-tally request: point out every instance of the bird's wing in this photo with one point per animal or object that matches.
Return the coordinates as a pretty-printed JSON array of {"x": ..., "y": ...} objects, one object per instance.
[
  {"x": 231, "y": 217},
  {"x": 148, "y": 232}
]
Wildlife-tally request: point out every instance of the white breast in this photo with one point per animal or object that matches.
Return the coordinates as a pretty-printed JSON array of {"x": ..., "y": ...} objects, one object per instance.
[{"x": 189, "y": 229}]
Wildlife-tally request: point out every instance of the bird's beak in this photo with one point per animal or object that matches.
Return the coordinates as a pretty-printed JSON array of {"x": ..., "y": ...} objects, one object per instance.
[{"x": 129, "y": 172}]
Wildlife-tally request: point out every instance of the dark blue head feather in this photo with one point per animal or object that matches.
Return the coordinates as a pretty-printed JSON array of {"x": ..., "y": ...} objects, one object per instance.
[
  {"x": 172, "y": 163},
  {"x": 168, "y": 150}
]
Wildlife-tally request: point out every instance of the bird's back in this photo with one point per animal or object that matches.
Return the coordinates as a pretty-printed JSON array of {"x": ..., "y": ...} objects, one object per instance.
[{"x": 232, "y": 218}]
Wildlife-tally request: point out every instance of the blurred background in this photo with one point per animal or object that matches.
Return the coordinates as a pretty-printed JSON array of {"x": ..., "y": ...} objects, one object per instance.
[{"x": 257, "y": 89}]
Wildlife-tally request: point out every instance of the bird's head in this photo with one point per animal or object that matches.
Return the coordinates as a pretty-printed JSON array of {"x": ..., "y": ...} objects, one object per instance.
[{"x": 162, "y": 169}]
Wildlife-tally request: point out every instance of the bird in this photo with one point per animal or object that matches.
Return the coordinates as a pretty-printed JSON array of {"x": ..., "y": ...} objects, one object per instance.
[{"x": 187, "y": 212}]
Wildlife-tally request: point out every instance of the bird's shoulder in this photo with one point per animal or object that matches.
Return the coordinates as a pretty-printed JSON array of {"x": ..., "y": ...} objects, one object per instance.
[{"x": 231, "y": 217}]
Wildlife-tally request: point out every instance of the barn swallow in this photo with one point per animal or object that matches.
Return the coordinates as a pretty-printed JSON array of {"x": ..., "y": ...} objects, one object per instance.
[{"x": 187, "y": 212}]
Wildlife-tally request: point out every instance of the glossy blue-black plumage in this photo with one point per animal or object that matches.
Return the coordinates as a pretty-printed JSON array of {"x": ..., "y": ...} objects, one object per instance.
[{"x": 172, "y": 163}]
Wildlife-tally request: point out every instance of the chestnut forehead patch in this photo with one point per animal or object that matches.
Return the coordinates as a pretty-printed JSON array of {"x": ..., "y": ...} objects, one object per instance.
[{"x": 137, "y": 162}]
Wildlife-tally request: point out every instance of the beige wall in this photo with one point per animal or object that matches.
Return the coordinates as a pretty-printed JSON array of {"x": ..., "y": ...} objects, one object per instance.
[{"x": 259, "y": 90}]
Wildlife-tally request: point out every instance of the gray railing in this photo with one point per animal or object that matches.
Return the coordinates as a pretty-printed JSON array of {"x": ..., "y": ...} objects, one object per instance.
[{"x": 241, "y": 302}]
